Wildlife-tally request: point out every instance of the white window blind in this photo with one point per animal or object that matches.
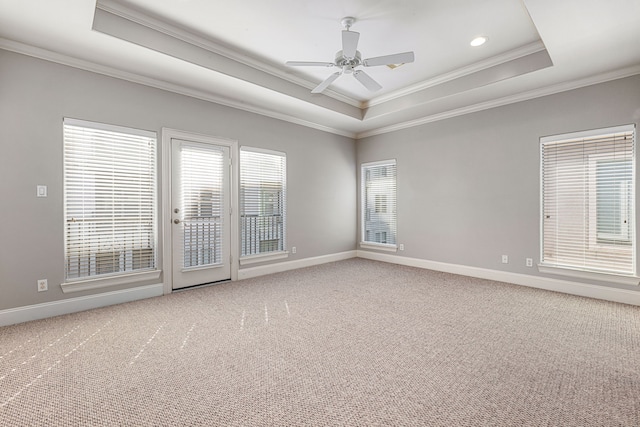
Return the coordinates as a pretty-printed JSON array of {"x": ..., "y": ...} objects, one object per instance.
[
  {"x": 263, "y": 198},
  {"x": 588, "y": 201},
  {"x": 202, "y": 204},
  {"x": 379, "y": 222},
  {"x": 109, "y": 199}
]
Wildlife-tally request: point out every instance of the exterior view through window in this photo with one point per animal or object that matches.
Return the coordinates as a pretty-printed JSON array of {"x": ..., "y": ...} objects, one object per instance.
[
  {"x": 263, "y": 196},
  {"x": 378, "y": 210},
  {"x": 588, "y": 200},
  {"x": 109, "y": 199}
]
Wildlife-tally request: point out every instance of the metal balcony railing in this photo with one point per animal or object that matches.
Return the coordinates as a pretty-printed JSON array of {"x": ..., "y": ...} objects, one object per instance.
[{"x": 260, "y": 234}]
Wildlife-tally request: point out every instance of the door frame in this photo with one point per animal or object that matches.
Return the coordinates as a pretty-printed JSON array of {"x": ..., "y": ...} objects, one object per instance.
[{"x": 165, "y": 214}]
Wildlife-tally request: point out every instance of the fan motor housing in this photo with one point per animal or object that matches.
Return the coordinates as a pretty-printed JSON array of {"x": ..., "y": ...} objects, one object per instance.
[{"x": 343, "y": 61}]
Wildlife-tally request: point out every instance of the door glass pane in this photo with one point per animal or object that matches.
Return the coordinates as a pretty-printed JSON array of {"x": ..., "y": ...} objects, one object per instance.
[{"x": 202, "y": 205}]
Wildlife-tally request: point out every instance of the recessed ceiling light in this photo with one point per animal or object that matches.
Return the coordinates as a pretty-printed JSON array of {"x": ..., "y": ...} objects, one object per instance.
[{"x": 479, "y": 41}]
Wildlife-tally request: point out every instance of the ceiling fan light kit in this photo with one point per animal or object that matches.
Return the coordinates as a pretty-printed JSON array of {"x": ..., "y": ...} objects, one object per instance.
[{"x": 349, "y": 58}]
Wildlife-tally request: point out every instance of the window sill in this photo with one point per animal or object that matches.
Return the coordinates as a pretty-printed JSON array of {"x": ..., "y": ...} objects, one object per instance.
[
  {"x": 254, "y": 259},
  {"x": 379, "y": 246},
  {"x": 582, "y": 274},
  {"x": 105, "y": 282}
]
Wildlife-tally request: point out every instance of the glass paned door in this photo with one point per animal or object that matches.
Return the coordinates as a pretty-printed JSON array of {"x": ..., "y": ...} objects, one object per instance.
[{"x": 200, "y": 213}]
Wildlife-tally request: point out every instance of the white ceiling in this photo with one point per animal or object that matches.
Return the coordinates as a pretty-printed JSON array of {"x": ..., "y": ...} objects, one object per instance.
[{"x": 234, "y": 52}]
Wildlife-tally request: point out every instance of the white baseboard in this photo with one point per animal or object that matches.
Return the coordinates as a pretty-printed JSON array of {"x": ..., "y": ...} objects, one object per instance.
[
  {"x": 73, "y": 305},
  {"x": 568, "y": 287},
  {"x": 247, "y": 273},
  {"x": 41, "y": 311}
]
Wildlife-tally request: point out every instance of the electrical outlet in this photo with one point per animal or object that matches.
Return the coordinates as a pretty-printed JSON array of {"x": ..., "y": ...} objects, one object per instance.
[
  {"x": 402, "y": 246},
  {"x": 293, "y": 250},
  {"x": 529, "y": 262},
  {"x": 42, "y": 285},
  {"x": 41, "y": 191},
  {"x": 505, "y": 259}
]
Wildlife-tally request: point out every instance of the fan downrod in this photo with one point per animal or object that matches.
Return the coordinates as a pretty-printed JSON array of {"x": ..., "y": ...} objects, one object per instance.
[{"x": 347, "y": 22}]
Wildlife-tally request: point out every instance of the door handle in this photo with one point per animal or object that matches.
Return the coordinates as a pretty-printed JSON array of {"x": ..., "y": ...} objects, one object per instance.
[{"x": 176, "y": 221}]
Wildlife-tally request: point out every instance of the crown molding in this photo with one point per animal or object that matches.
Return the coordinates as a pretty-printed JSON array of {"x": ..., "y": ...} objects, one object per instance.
[
  {"x": 511, "y": 99},
  {"x": 186, "y": 36},
  {"x": 460, "y": 72},
  {"x": 48, "y": 55},
  {"x": 504, "y": 71},
  {"x": 183, "y": 34},
  {"x": 62, "y": 59}
]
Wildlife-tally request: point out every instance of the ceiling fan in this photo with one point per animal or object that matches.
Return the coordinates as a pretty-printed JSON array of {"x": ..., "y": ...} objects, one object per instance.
[{"x": 349, "y": 58}]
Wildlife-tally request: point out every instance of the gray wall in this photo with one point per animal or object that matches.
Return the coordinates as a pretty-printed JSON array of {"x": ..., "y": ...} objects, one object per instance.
[
  {"x": 35, "y": 95},
  {"x": 468, "y": 187}
]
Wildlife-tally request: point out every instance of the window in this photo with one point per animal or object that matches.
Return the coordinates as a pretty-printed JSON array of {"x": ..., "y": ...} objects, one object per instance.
[
  {"x": 263, "y": 197},
  {"x": 588, "y": 201},
  {"x": 378, "y": 219},
  {"x": 109, "y": 199}
]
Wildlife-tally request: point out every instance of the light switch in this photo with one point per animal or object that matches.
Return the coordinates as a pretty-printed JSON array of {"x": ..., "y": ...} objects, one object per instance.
[{"x": 41, "y": 191}]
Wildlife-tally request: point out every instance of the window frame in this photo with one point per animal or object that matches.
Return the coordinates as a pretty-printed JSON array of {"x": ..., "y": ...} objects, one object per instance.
[
  {"x": 270, "y": 255},
  {"x": 593, "y": 242},
  {"x": 378, "y": 208},
  {"x": 96, "y": 281}
]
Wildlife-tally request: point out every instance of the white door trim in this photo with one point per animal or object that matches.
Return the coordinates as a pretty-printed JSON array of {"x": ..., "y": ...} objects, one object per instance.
[{"x": 165, "y": 215}]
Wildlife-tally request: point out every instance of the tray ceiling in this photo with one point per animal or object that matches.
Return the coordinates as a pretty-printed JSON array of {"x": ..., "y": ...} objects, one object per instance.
[{"x": 234, "y": 52}]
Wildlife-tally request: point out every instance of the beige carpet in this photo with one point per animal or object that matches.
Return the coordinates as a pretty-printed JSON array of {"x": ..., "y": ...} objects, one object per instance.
[{"x": 353, "y": 343}]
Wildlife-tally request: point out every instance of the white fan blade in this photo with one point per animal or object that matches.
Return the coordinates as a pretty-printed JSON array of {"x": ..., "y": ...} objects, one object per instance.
[
  {"x": 349, "y": 43},
  {"x": 367, "y": 81},
  {"x": 325, "y": 84},
  {"x": 309, "y": 64},
  {"x": 398, "y": 58}
]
